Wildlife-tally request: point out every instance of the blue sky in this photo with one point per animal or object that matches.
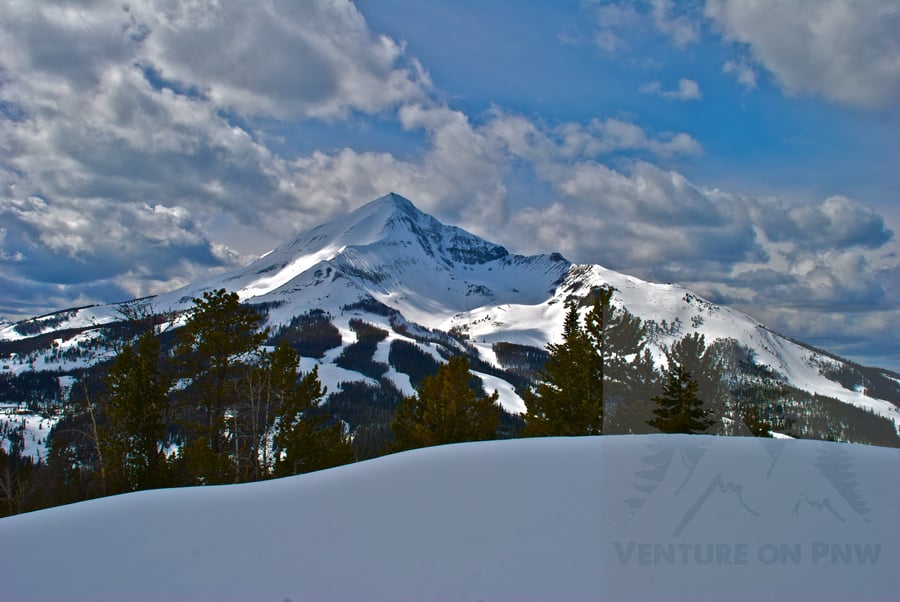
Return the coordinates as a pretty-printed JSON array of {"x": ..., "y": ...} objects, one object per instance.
[{"x": 745, "y": 149}]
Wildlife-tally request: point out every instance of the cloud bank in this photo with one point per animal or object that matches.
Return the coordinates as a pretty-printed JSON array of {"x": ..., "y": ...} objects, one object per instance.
[{"x": 843, "y": 50}]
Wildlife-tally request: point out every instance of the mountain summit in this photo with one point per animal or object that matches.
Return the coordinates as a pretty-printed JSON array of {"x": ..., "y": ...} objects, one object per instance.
[
  {"x": 393, "y": 220},
  {"x": 389, "y": 251}
]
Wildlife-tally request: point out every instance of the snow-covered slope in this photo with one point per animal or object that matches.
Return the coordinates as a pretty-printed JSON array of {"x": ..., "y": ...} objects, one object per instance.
[
  {"x": 391, "y": 251},
  {"x": 608, "y": 518},
  {"x": 442, "y": 278}
]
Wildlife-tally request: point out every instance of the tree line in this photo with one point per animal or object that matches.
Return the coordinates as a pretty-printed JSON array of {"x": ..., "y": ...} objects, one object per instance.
[{"x": 218, "y": 406}]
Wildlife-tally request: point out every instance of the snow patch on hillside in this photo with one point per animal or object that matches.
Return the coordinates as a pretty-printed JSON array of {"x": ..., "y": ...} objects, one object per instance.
[
  {"x": 28, "y": 429},
  {"x": 287, "y": 273}
]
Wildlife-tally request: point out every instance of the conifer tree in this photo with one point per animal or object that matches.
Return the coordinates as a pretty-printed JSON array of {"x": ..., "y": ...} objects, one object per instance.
[
  {"x": 679, "y": 409},
  {"x": 702, "y": 361},
  {"x": 620, "y": 338},
  {"x": 304, "y": 439},
  {"x": 754, "y": 421},
  {"x": 601, "y": 357},
  {"x": 212, "y": 345},
  {"x": 706, "y": 363},
  {"x": 135, "y": 406},
  {"x": 445, "y": 410},
  {"x": 568, "y": 399}
]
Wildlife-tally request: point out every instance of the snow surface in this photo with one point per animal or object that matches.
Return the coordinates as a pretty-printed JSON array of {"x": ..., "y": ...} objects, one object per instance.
[
  {"x": 16, "y": 421},
  {"x": 655, "y": 517}
]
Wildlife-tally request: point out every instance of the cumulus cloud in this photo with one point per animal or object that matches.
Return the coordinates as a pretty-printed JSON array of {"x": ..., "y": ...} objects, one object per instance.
[
  {"x": 527, "y": 140},
  {"x": 837, "y": 222},
  {"x": 288, "y": 60},
  {"x": 843, "y": 50},
  {"x": 97, "y": 240},
  {"x": 465, "y": 174},
  {"x": 687, "y": 89},
  {"x": 645, "y": 219},
  {"x": 749, "y": 250}
]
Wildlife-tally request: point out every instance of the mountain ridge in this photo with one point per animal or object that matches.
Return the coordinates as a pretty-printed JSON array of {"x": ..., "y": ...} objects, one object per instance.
[{"x": 403, "y": 271}]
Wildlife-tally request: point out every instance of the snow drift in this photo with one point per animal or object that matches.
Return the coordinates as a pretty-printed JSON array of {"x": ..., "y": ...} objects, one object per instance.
[{"x": 607, "y": 518}]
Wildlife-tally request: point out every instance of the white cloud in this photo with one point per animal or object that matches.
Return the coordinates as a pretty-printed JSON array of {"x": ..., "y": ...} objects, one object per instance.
[
  {"x": 571, "y": 141},
  {"x": 611, "y": 19},
  {"x": 756, "y": 250},
  {"x": 641, "y": 217},
  {"x": 844, "y": 50},
  {"x": 97, "y": 240},
  {"x": 617, "y": 20},
  {"x": 687, "y": 89},
  {"x": 464, "y": 174},
  {"x": 294, "y": 59},
  {"x": 743, "y": 72},
  {"x": 837, "y": 222},
  {"x": 682, "y": 27}
]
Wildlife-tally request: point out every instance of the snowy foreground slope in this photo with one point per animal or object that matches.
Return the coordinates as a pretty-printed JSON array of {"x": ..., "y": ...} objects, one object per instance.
[{"x": 655, "y": 517}]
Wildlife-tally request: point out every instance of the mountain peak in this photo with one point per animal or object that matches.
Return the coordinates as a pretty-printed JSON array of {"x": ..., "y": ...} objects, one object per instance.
[
  {"x": 392, "y": 199},
  {"x": 393, "y": 220}
]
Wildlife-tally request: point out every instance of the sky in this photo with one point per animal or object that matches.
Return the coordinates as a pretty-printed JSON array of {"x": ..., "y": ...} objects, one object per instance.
[{"x": 745, "y": 149}]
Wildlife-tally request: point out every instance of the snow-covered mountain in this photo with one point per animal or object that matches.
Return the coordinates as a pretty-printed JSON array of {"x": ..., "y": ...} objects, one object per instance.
[
  {"x": 420, "y": 281},
  {"x": 648, "y": 517}
]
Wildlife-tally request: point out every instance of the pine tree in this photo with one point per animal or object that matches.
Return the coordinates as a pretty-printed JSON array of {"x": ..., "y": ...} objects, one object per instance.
[
  {"x": 445, "y": 410},
  {"x": 212, "y": 347},
  {"x": 754, "y": 421},
  {"x": 702, "y": 361},
  {"x": 679, "y": 409},
  {"x": 602, "y": 358},
  {"x": 620, "y": 338},
  {"x": 706, "y": 363},
  {"x": 568, "y": 399},
  {"x": 304, "y": 440},
  {"x": 135, "y": 428}
]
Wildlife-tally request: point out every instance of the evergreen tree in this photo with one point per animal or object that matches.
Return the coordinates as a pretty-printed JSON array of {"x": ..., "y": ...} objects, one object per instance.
[
  {"x": 304, "y": 440},
  {"x": 211, "y": 352},
  {"x": 620, "y": 338},
  {"x": 135, "y": 428},
  {"x": 754, "y": 421},
  {"x": 707, "y": 365},
  {"x": 568, "y": 399},
  {"x": 17, "y": 479},
  {"x": 703, "y": 362},
  {"x": 601, "y": 358},
  {"x": 446, "y": 410},
  {"x": 679, "y": 409}
]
